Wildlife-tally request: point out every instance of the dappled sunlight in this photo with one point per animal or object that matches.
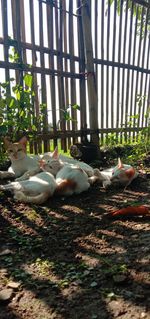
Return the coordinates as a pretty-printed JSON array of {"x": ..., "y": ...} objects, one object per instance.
[
  {"x": 68, "y": 251},
  {"x": 74, "y": 209}
]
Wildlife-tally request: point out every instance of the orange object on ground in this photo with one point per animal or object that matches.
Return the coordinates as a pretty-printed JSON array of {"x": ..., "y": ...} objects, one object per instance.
[{"x": 131, "y": 210}]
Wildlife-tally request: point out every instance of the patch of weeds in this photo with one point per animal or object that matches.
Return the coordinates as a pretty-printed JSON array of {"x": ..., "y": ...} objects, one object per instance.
[
  {"x": 44, "y": 266},
  {"x": 25, "y": 241},
  {"x": 114, "y": 269},
  {"x": 8, "y": 261},
  {"x": 22, "y": 276},
  {"x": 12, "y": 260},
  {"x": 73, "y": 272},
  {"x": 19, "y": 274},
  {"x": 109, "y": 268},
  {"x": 32, "y": 215}
]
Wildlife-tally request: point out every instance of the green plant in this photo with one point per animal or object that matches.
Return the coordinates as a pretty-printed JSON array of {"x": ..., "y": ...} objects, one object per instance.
[
  {"x": 66, "y": 114},
  {"x": 16, "y": 107},
  {"x": 135, "y": 9}
]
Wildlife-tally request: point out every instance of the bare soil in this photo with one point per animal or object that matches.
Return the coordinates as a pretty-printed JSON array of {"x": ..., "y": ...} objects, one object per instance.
[{"x": 69, "y": 260}]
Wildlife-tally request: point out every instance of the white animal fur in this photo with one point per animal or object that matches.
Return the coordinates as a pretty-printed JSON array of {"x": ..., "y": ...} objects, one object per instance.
[
  {"x": 20, "y": 161},
  {"x": 121, "y": 173},
  {"x": 36, "y": 190},
  {"x": 69, "y": 173}
]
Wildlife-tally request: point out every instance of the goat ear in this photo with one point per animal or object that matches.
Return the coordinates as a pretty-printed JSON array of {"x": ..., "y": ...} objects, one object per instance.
[
  {"x": 130, "y": 172},
  {"x": 120, "y": 164},
  {"x": 23, "y": 141},
  {"x": 55, "y": 154},
  {"x": 6, "y": 142}
]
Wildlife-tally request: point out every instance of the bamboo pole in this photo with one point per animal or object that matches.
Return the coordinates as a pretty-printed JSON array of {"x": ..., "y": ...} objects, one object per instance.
[
  {"x": 36, "y": 110},
  {"x": 66, "y": 82},
  {"x": 43, "y": 80},
  {"x": 146, "y": 109},
  {"x": 72, "y": 69},
  {"x": 137, "y": 110},
  {"x": 118, "y": 73},
  {"x": 107, "y": 70},
  {"x": 123, "y": 115},
  {"x": 6, "y": 48},
  {"x": 142, "y": 63},
  {"x": 128, "y": 71},
  {"x": 50, "y": 28},
  {"x": 58, "y": 28},
  {"x": 113, "y": 70},
  {"x": 91, "y": 79},
  {"x": 83, "y": 105},
  {"x": 133, "y": 73},
  {"x": 102, "y": 69}
]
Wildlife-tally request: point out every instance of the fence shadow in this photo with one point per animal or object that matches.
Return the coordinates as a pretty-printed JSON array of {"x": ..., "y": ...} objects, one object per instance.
[{"x": 67, "y": 254}]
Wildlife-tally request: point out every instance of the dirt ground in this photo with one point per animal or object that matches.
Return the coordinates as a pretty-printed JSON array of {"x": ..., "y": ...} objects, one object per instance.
[{"x": 69, "y": 260}]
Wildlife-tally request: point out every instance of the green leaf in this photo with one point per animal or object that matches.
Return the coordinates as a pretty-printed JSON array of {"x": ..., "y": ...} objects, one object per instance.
[
  {"x": 10, "y": 101},
  {"x": 18, "y": 95},
  {"x": 28, "y": 80},
  {"x": 34, "y": 128},
  {"x": 76, "y": 107}
]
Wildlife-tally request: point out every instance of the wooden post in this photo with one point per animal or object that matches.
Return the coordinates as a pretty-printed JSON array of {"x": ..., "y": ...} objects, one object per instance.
[{"x": 91, "y": 78}]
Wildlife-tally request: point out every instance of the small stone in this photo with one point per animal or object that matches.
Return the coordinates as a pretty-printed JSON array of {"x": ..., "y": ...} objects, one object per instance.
[
  {"x": 4, "y": 272},
  {"x": 14, "y": 285},
  {"x": 5, "y": 252},
  {"x": 6, "y": 294}
]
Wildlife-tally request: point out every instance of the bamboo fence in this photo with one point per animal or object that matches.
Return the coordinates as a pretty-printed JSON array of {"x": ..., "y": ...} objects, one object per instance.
[{"x": 91, "y": 54}]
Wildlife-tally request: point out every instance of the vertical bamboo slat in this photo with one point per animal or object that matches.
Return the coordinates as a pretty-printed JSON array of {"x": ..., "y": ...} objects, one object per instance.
[
  {"x": 62, "y": 93},
  {"x": 113, "y": 59},
  {"x": 50, "y": 27},
  {"x": 91, "y": 80},
  {"x": 36, "y": 111},
  {"x": 83, "y": 113},
  {"x": 137, "y": 110},
  {"x": 102, "y": 69},
  {"x": 142, "y": 64},
  {"x": 96, "y": 34},
  {"x": 23, "y": 33},
  {"x": 107, "y": 70},
  {"x": 43, "y": 80},
  {"x": 58, "y": 20},
  {"x": 5, "y": 35},
  {"x": 17, "y": 36},
  {"x": 118, "y": 71},
  {"x": 128, "y": 71},
  {"x": 6, "y": 44},
  {"x": 123, "y": 115},
  {"x": 72, "y": 69},
  {"x": 66, "y": 64},
  {"x": 146, "y": 109},
  {"x": 133, "y": 62},
  {"x": 24, "y": 57}
]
